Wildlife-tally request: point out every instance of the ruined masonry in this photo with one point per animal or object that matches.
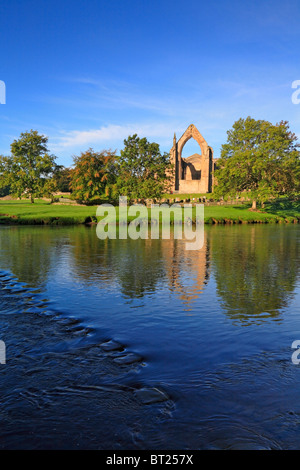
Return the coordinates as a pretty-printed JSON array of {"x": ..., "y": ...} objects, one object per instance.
[{"x": 194, "y": 174}]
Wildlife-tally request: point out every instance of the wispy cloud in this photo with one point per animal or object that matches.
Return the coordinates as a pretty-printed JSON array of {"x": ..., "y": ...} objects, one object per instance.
[
  {"x": 111, "y": 133},
  {"x": 87, "y": 92}
]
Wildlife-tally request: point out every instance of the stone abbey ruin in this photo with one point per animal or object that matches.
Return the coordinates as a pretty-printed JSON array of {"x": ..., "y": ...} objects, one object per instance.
[{"x": 194, "y": 174}]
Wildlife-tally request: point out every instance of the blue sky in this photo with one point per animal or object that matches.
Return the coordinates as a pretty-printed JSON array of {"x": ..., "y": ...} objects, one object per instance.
[{"x": 89, "y": 73}]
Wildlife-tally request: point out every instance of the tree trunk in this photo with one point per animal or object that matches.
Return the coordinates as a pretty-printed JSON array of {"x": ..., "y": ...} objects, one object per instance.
[
  {"x": 31, "y": 199},
  {"x": 254, "y": 204}
]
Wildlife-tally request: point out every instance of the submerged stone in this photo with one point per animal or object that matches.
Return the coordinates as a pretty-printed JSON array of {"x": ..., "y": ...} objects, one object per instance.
[
  {"x": 151, "y": 395},
  {"x": 111, "y": 346},
  {"x": 128, "y": 359}
]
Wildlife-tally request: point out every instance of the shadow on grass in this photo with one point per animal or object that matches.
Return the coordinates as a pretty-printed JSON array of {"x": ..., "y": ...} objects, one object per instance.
[
  {"x": 242, "y": 206},
  {"x": 283, "y": 207}
]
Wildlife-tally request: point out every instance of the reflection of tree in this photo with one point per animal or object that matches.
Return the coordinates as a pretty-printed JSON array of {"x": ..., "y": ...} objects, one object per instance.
[
  {"x": 28, "y": 252},
  {"x": 140, "y": 266},
  {"x": 256, "y": 269},
  {"x": 140, "y": 270},
  {"x": 136, "y": 265}
]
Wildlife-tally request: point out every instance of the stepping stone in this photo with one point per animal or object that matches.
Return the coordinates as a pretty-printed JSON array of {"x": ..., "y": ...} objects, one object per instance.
[
  {"x": 68, "y": 321},
  {"x": 151, "y": 395},
  {"x": 82, "y": 331},
  {"x": 130, "y": 358},
  {"x": 33, "y": 310},
  {"x": 111, "y": 346}
]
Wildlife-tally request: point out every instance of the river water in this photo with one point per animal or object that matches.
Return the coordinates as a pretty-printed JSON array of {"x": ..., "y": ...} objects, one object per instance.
[{"x": 141, "y": 344}]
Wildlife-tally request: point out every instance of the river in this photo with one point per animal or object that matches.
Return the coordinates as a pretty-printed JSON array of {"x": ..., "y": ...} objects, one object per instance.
[{"x": 141, "y": 344}]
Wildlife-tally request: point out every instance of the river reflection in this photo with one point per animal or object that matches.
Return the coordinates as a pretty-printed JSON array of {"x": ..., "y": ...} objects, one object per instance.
[
  {"x": 255, "y": 268},
  {"x": 211, "y": 330}
]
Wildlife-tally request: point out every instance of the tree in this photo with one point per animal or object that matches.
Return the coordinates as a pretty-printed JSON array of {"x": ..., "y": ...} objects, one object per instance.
[
  {"x": 29, "y": 167},
  {"x": 6, "y": 173},
  {"x": 260, "y": 158},
  {"x": 49, "y": 188},
  {"x": 93, "y": 172},
  {"x": 4, "y": 190},
  {"x": 62, "y": 177},
  {"x": 143, "y": 171}
]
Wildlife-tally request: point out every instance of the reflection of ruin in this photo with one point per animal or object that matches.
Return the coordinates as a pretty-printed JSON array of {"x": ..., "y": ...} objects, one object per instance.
[
  {"x": 187, "y": 271},
  {"x": 141, "y": 267},
  {"x": 195, "y": 173}
]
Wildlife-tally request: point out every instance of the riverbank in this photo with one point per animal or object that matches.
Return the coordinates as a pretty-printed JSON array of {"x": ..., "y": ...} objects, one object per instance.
[{"x": 43, "y": 213}]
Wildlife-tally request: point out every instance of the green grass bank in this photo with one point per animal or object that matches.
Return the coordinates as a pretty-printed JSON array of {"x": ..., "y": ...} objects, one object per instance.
[{"x": 43, "y": 213}]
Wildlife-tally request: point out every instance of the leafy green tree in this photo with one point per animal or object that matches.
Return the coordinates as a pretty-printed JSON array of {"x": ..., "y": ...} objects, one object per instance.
[
  {"x": 49, "y": 188},
  {"x": 6, "y": 175},
  {"x": 62, "y": 177},
  {"x": 4, "y": 190},
  {"x": 143, "y": 171},
  {"x": 29, "y": 167},
  {"x": 260, "y": 158},
  {"x": 93, "y": 172}
]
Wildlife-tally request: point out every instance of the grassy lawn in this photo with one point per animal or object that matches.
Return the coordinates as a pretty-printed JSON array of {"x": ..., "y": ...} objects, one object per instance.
[
  {"x": 41, "y": 212},
  {"x": 278, "y": 211},
  {"x": 236, "y": 214}
]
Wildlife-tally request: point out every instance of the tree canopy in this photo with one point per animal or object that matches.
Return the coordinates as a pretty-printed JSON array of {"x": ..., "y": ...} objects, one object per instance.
[
  {"x": 93, "y": 172},
  {"x": 260, "y": 158},
  {"x": 143, "y": 170},
  {"x": 29, "y": 167},
  {"x": 62, "y": 178}
]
